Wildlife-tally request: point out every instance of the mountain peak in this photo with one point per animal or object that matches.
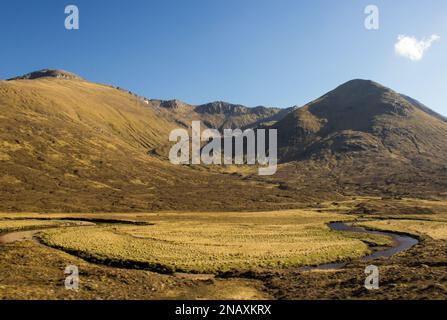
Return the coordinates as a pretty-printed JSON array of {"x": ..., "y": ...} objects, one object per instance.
[
  {"x": 360, "y": 115},
  {"x": 361, "y": 84},
  {"x": 172, "y": 104},
  {"x": 48, "y": 73},
  {"x": 221, "y": 107}
]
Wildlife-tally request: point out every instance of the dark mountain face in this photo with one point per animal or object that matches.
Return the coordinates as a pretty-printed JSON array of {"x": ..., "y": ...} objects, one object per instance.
[
  {"x": 223, "y": 115},
  {"x": 361, "y": 115},
  {"x": 218, "y": 115},
  {"x": 220, "y": 107},
  {"x": 363, "y": 138}
]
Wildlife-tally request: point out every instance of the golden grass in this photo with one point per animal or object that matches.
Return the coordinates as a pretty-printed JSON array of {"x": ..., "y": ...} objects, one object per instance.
[
  {"x": 214, "y": 243},
  {"x": 432, "y": 229},
  {"x": 375, "y": 240}
]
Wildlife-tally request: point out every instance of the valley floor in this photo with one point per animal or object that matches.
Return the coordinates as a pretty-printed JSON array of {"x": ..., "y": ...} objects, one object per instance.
[{"x": 34, "y": 269}]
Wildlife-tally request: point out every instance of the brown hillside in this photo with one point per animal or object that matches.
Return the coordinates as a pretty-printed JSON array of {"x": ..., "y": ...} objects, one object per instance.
[
  {"x": 72, "y": 145},
  {"x": 67, "y": 144},
  {"x": 363, "y": 137}
]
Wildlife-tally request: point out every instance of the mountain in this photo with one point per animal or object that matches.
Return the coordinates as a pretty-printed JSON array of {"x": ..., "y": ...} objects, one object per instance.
[
  {"x": 48, "y": 73},
  {"x": 218, "y": 115},
  {"x": 365, "y": 136},
  {"x": 423, "y": 107},
  {"x": 67, "y": 144},
  {"x": 222, "y": 115},
  {"x": 362, "y": 115}
]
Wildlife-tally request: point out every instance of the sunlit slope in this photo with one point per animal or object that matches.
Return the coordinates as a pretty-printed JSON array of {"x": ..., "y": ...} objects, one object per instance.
[
  {"x": 98, "y": 110},
  {"x": 72, "y": 145}
]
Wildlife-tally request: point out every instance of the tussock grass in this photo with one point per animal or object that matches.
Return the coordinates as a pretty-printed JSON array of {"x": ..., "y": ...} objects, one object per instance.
[
  {"x": 433, "y": 229},
  {"x": 375, "y": 240},
  {"x": 213, "y": 243}
]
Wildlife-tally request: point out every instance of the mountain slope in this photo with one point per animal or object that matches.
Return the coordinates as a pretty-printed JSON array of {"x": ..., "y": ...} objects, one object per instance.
[
  {"x": 424, "y": 108},
  {"x": 217, "y": 115},
  {"x": 72, "y": 145},
  {"x": 222, "y": 115},
  {"x": 67, "y": 144},
  {"x": 362, "y": 112},
  {"x": 368, "y": 137}
]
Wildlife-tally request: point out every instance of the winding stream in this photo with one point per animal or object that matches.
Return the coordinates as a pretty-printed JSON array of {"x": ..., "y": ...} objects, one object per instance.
[
  {"x": 26, "y": 235},
  {"x": 18, "y": 236},
  {"x": 401, "y": 242}
]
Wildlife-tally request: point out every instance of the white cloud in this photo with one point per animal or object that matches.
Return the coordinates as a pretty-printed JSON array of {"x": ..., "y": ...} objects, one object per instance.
[{"x": 412, "y": 48}]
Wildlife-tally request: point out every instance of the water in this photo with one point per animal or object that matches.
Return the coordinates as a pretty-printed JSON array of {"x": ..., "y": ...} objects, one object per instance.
[
  {"x": 17, "y": 236},
  {"x": 401, "y": 243}
]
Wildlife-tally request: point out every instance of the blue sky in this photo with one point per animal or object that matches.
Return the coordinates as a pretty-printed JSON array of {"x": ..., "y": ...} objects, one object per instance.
[{"x": 254, "y": 52}]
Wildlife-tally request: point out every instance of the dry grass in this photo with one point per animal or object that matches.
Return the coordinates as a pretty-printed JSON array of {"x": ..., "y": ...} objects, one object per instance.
[
  {"x": 432, "y": 229},
  {"x": 32, "y": 270},
  {"x": 214, "y": 243},
  {"x": 29, "y": 270}
]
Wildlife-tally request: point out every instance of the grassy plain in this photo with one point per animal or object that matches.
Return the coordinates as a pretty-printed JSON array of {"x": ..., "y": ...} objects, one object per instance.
[
  {"x": 214, "y": 243},
  {"x": 433, "y": 229},
  {"x": 201, "y": 241}
]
